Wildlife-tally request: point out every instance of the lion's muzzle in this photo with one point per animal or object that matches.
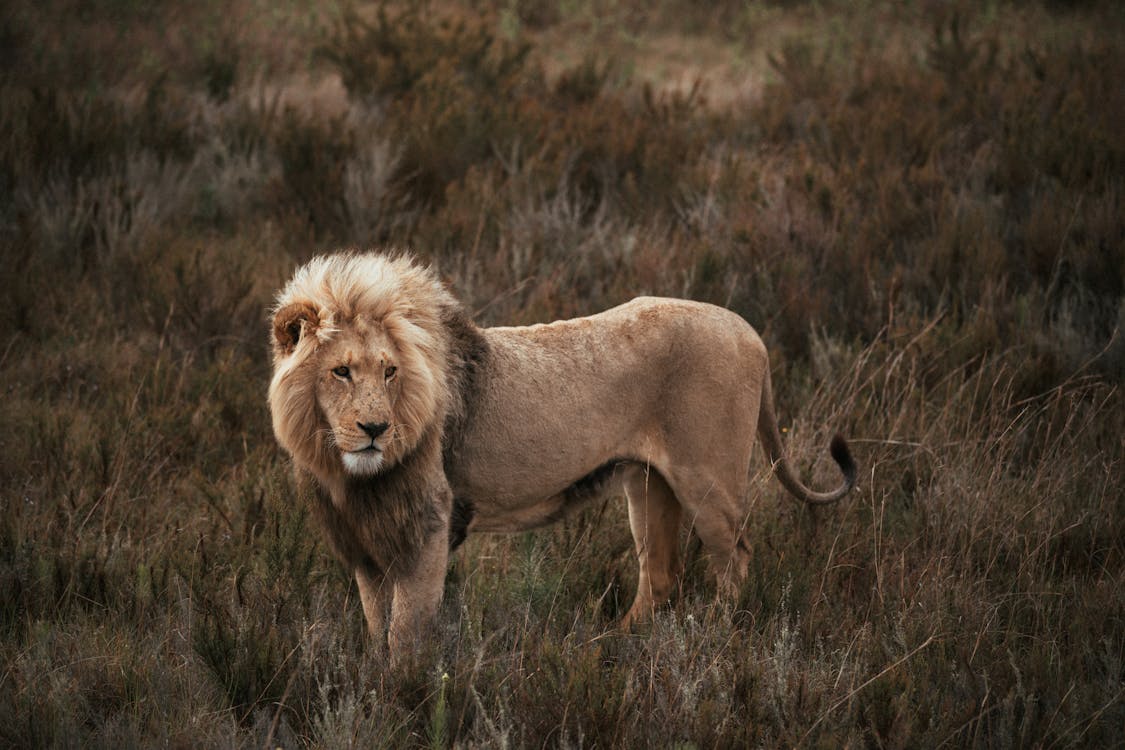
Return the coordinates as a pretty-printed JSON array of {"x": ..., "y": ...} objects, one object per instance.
[{"x": 366, "y": 458}]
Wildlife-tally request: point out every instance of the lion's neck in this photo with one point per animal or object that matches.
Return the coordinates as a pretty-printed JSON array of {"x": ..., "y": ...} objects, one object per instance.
[
  {"x": 385, "y": 518},
  {"x": 468, "y": 362}
]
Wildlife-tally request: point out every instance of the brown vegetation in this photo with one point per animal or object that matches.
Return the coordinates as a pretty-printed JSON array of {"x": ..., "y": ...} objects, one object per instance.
[{"x": 920, "y": 206}]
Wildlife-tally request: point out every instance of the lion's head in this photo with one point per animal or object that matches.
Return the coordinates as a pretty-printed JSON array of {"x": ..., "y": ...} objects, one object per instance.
[{"x": 359, "y": 362}]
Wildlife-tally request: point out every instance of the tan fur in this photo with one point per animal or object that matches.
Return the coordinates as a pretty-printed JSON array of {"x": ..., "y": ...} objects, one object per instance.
[{"x": 505, "y": 429}]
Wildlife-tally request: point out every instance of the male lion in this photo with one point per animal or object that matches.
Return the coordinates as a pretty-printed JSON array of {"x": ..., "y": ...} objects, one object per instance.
[{"x": 419, "y": 427}]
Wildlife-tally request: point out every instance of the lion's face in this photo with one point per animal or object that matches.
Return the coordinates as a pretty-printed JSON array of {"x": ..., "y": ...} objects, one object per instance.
[
  {"x": 357, "y": 388},
  {"x": 352, "y": 396},
  {"x": 359, "y": 355}
]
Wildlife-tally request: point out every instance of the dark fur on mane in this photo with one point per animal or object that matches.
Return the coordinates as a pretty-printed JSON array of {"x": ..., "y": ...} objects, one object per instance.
[
  {"x": 468, "y": 357},
  {"x": 382, "y": 521},
  {"x": 462, "y": 516}
]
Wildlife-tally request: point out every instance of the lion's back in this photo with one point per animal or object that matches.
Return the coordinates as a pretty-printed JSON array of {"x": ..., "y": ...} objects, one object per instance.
[
  {"x": 643, "y": 329},
  {"x": 650, "y": 345}
]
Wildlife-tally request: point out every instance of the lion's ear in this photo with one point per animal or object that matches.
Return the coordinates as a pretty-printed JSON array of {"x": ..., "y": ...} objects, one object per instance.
[{"x": 291, "y": 322}]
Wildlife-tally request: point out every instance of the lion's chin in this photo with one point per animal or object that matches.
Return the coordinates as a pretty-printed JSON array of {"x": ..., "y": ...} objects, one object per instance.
[{"x": 363, "y": 463}]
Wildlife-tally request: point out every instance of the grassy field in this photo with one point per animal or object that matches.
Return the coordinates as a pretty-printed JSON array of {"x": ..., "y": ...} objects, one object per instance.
[{"x": 921, "y": 207}]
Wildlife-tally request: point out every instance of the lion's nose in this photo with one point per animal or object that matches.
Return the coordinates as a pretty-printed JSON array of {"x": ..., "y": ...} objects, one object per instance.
[{"x": 373, "y": 429}]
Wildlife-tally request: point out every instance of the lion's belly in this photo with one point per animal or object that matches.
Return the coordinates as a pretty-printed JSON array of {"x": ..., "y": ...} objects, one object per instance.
[
  {"x": 499, "y": 508},
  {"x": 494, "y": 518},
  {"x": 518, "y": 490}
]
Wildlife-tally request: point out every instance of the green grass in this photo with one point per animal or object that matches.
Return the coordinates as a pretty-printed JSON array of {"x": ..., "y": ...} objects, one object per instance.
[{"x": 919, "y": 206}]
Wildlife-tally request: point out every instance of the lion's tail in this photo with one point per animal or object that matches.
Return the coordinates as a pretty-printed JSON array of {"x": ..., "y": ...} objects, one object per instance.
[{"x": 770, "y": 436}]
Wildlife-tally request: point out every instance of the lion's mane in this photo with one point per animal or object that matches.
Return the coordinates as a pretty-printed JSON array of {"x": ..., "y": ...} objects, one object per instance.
[{"x": 378, "y": 520}]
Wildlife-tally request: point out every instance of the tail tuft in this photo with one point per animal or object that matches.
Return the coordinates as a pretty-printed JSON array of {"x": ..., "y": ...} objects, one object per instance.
[{"x": 842, "y": 455}]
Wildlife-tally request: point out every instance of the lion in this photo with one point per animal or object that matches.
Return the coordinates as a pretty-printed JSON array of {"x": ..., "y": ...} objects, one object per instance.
[{"x": 414, "y": 427}]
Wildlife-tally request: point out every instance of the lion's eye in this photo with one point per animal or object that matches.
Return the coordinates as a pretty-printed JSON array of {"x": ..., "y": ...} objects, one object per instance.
[
  {"x": 342, "y": 372},
  {"x": 390, "y": 372}
]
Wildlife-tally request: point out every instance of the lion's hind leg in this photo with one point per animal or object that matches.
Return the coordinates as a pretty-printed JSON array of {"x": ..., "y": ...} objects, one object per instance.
[
  {"x": 654, "y": 518},
  {"x": 719, "y": 518}
]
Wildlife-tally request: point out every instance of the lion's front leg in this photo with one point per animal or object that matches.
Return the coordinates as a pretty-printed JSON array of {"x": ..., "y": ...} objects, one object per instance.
[
  {"x": 375, "y": 594},
  {"x": 417, "y": 596}
]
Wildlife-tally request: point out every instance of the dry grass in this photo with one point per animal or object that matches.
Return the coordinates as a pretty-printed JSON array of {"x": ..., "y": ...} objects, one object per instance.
[{"x": 919, "y": 206}]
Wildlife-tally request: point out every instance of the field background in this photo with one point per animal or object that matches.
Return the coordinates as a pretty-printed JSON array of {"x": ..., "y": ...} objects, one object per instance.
[{"x": 920, "y": 205}]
